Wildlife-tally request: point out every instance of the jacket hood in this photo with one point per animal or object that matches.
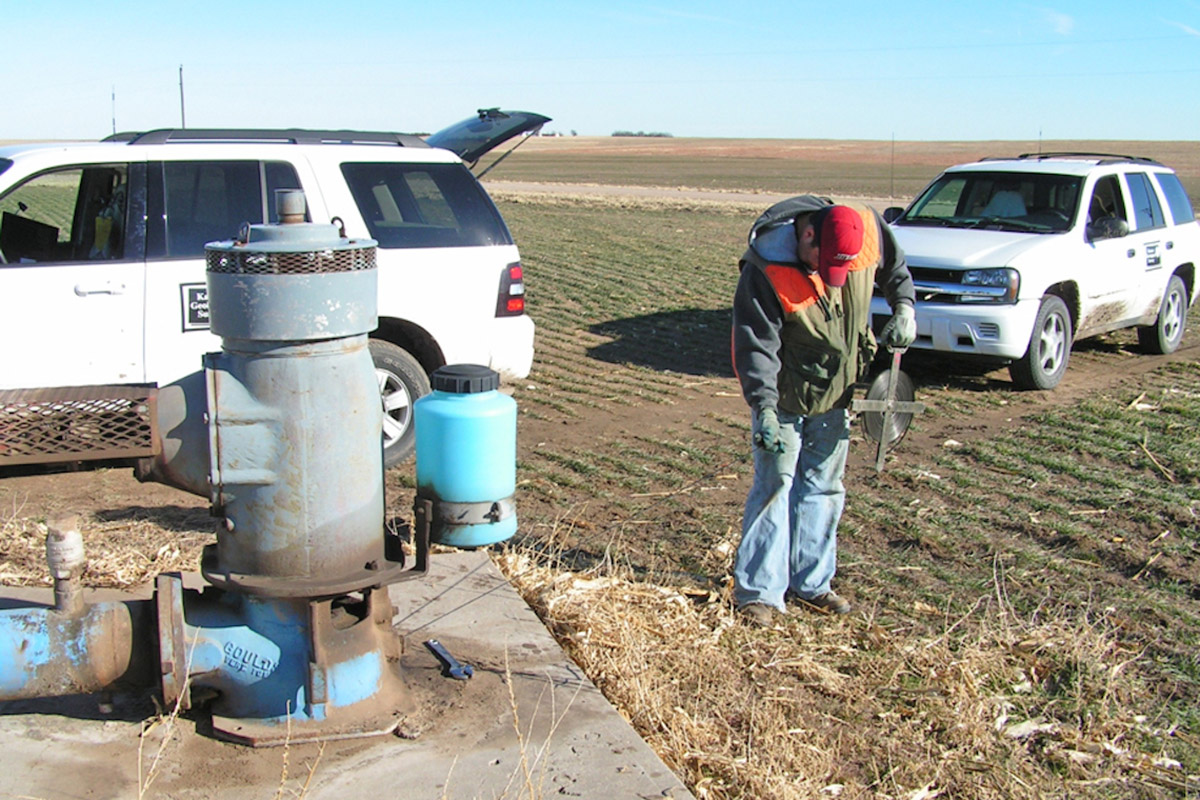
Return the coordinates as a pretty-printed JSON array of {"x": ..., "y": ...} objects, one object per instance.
[{"x": 765, "y": 247}]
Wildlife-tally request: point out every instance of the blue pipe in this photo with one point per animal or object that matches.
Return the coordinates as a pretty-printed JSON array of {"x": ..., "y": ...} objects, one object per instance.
[{"x": 48, "y": 653}]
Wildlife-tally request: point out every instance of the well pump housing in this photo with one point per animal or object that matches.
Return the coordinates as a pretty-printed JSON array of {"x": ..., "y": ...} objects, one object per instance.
[{"x": 281, "y": 432}]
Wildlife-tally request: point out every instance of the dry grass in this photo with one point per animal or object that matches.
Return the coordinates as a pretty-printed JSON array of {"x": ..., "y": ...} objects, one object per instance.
[
  {"x": 992, "y": 706},
  {"x": 122, "y": 553}
]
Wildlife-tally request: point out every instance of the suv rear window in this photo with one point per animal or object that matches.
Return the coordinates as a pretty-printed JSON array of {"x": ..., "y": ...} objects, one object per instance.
[
  {"x": 1177, "y": 197},
  {"x": 424, "y": 205},
  {"x": 1147, "y": 212}
]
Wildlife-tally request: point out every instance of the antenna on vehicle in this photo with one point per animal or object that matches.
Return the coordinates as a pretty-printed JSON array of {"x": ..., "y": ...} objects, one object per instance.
[{"x": 892, "y": 176}]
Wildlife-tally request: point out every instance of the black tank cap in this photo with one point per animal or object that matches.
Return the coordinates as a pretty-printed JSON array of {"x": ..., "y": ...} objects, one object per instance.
[{"x": 465, "y": 379}]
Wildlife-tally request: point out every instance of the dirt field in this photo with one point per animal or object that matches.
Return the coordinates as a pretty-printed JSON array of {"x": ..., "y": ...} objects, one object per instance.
[
  {"x": 162, "y": 528},
  {"x": 791, "y": 166}
]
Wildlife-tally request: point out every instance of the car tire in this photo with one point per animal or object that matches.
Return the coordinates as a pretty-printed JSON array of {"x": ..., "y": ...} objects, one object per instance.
[
  {"x": 402, "y": 381},
  {"x": 1166, "y": 333},
  {"x": 1045, "y": 362}
]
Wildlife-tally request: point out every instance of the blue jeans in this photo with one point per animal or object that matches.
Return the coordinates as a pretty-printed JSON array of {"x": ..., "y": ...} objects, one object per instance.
[{"x": 789, "y": 527}]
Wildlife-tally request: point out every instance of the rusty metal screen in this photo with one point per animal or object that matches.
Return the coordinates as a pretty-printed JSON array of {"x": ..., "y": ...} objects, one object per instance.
[
  {"x": 254, "y": 262},
  {"x": 76, "y": 423}
]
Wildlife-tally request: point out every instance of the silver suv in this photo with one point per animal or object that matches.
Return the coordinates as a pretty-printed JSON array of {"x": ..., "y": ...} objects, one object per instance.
[
  {"x": 1016, "y": 258},
  {"x": 102, "y": 272}
]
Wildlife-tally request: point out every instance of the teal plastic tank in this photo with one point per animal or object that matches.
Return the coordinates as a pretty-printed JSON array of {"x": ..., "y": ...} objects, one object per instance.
[{"x": 467, "y": 456}]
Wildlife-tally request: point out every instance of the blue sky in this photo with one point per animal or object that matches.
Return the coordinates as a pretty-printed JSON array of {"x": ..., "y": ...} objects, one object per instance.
[{"x": 912, "y": 70}]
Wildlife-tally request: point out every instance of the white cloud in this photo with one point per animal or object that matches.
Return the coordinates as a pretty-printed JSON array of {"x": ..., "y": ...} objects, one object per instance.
[
  {"x": 1188, "y": 29},
  {"x": 1062, "y": 24}
]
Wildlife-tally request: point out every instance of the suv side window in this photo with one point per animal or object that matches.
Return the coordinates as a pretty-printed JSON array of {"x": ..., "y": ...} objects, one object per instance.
[
  {"x": 1177, "y": 197},
  {"x": 424, "y": 205},
  {"x": 73, "y": 214},
  {"x": 1146, "y": 208},
  {"x": 192, "y": 203},
  {"x": 1107, "y": 200}
]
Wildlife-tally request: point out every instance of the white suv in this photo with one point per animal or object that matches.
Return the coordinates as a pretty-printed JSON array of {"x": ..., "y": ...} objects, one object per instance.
[
  {"x": 102, "y": 271},
  {"x": 1017, "y": 258}
]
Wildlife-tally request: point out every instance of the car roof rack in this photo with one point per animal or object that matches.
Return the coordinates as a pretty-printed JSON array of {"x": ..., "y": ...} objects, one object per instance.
[
  {"x": 1102, "y": 158},
  {"x": 279, "y": 136}
]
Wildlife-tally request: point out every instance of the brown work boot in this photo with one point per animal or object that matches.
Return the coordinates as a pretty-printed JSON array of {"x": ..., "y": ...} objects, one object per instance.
[
  {"x": 759, "y": 614},
  {"x": 830, "y": 603}
]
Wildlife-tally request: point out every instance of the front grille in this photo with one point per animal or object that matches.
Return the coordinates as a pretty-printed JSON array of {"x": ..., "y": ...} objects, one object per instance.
[
  {"x": 78, "y": 423},
  {"x": 247, "y": 262},
  {"x": 932, "y": 275}
]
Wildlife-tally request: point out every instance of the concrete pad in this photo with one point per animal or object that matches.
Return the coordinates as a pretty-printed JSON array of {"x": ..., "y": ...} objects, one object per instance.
[{"x": 528, "y": 724}]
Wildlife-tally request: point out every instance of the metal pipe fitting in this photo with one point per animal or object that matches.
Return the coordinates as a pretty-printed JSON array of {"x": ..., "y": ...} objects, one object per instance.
[{"x": 66, "y": 560}]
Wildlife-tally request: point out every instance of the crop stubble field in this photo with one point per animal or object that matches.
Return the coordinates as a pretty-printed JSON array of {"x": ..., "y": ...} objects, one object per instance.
[
  {"x": 1024, "y": 572},
  {"x": 876, "y": 169}
]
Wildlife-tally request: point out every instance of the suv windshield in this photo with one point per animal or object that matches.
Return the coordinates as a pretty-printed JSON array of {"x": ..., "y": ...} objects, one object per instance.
[
  {"x": 1019, "y": 201},
  {"x": 424, "y": 205}
]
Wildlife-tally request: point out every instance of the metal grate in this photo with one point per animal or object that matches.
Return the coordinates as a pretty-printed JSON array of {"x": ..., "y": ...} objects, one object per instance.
[
  {"x": 248, "y": 262},
  {"x": 76, "y": 423},
  {"x": 988, "y": 330}
]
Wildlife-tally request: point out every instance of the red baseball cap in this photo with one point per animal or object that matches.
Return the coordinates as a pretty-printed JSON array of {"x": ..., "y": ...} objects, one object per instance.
[{"x": 839, "y": 232}]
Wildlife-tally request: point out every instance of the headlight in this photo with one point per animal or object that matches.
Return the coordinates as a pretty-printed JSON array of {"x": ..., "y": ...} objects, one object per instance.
[{"x": 995, "y": 285}]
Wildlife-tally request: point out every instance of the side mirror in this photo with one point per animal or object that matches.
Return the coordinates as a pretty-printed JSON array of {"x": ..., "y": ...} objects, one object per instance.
[
  {"x": 1107, "y": 228},
  {"x": 890, "y": 214}
]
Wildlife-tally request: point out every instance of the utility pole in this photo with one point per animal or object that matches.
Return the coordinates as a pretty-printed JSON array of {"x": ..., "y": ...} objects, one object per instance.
[
  {"x": 182, "y": 115},
  {"x": 893, "y": 168},
  {"x": 114, "y": 108}
]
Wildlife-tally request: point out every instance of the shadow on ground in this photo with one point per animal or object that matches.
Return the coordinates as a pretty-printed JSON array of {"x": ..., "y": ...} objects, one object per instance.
[
  {"x": 697, "y": 342},
  {"x": 942, "y": 370},
  {"x": 173, "y": 518},
  {"x": 692, "y": 342}
]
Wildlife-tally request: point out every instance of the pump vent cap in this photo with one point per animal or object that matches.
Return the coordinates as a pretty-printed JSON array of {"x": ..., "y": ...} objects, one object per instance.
[{"x": 465, "y": 379}]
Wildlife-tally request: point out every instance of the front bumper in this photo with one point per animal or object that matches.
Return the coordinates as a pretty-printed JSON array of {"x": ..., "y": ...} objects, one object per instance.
[{"x": 994, "y": 331}]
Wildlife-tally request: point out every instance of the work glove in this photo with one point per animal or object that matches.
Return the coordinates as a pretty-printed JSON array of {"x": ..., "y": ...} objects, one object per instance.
[
  {"x": 901, "y": 330},
  {"x": 766, "y": 431}
]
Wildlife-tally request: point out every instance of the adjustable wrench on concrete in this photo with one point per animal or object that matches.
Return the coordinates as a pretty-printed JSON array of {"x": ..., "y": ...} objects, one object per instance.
[{"x": 454, "y": 669}]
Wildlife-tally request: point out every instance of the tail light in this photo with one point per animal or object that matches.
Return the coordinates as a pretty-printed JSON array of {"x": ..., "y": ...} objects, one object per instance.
[{"x": 511, "y": 302}]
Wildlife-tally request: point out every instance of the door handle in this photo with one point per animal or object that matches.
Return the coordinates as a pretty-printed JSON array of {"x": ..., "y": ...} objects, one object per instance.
[
  {"x": 1130, "y": 253},
  {"x": 108, "y": 287}
]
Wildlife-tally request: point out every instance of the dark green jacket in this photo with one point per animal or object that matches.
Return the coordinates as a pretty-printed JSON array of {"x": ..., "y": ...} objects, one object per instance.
[{"x": 799, "y": 345}]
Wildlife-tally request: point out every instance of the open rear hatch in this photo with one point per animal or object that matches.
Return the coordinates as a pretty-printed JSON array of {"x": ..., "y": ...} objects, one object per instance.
[{"x": 472, "y": 138}]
